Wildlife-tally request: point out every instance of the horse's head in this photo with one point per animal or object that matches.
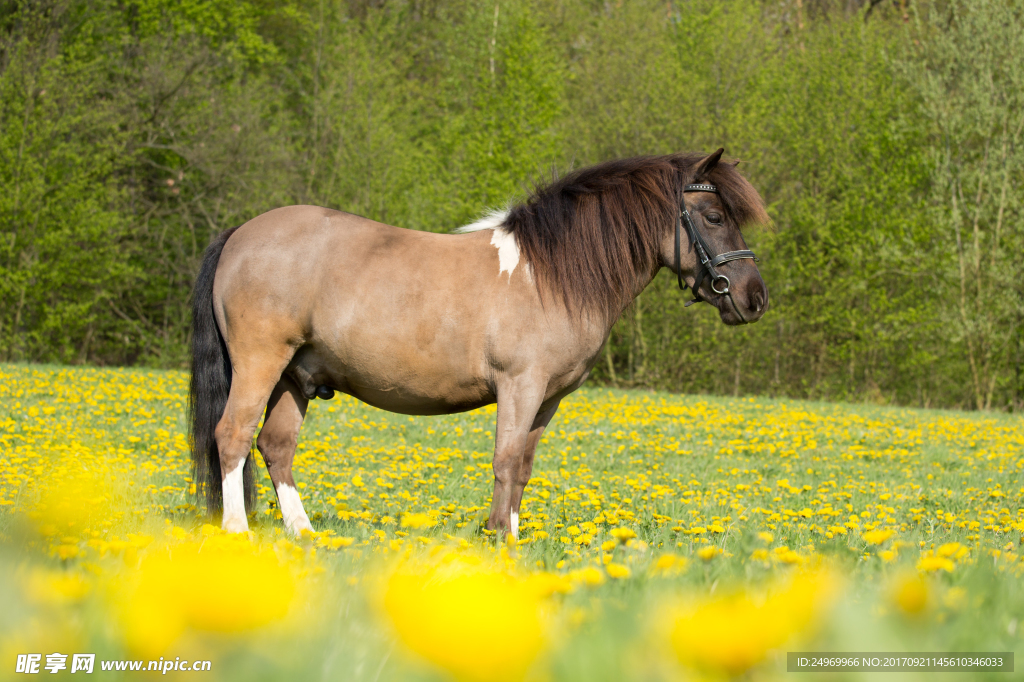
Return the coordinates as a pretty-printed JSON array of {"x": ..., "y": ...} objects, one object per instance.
[{"x": 707, "y": 248}]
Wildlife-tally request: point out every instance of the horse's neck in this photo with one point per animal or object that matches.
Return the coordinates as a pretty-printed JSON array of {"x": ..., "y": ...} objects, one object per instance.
[{"x": 614, "y": 316}]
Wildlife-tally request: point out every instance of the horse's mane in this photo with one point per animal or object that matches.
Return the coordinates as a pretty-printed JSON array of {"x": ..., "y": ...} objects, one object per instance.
[{"x": 593, "y": 236}]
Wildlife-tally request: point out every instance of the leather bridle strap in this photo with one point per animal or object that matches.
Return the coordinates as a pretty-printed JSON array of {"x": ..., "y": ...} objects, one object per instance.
[{"x": 708, "y": 264}]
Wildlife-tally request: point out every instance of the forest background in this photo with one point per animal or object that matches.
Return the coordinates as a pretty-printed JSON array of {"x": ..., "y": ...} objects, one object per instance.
[{"x": 885, "y": 136}]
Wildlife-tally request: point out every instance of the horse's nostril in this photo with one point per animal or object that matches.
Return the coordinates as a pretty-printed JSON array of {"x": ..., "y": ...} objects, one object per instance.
[{"x": 757, "y": 301}]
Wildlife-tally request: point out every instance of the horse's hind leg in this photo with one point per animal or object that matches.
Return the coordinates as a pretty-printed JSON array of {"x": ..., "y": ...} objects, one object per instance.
[
  {"x": 526, "y": 465},
  {"x": 252, "y": 381},
  {"x": 277, "y": 441}
]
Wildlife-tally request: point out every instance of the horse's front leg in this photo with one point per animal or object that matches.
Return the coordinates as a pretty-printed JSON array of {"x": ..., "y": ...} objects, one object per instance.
[
  {"x": 518, "y": 404},
  {"x": 540, "y": 422}
]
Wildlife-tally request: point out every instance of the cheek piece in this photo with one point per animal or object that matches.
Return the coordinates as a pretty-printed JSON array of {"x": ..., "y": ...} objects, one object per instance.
[{"x": 708, "y": 264}]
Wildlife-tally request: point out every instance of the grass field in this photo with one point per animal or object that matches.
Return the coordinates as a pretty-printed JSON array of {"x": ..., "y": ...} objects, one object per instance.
[{"x": 662, "y": 537}]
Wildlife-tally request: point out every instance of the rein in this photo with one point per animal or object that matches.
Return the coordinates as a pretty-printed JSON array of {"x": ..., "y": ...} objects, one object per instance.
[{"x": 708, "y": 263}]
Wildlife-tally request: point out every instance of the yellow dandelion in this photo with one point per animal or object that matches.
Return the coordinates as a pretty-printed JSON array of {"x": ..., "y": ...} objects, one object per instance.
[
  {"x": 56, "y": 587},
  {"x": 910, "y": 594},
  {"x": 669, "y": 564},
  {"x": 218, "y": 586},
  {"x": 416, "y": 521},
  {"x": 623, "y": 534},
  {"x": 708, "y": 553},
  {"x": 935, "y": 563},
  {"x": 952, "y": 550},
  {"x": 877, "y": 537},
  {"x": 618, "y": 571},
  {"x": 455, "y": 615},
  {"x": 733, "y": 633},
  {"x": 589, "y": 576}
]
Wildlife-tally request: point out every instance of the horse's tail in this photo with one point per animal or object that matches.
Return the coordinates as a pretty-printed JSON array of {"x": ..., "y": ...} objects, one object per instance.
[{"x": 211, "y": 382}]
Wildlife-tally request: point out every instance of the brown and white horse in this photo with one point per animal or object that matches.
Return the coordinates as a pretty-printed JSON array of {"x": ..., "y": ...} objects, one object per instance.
[{"x": 304, "y": 301}]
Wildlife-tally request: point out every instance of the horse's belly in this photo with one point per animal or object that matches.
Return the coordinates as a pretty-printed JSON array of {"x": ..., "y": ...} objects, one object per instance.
[
  {"x": 405, "y": 401},
  {"x": 385, "y": 380}
]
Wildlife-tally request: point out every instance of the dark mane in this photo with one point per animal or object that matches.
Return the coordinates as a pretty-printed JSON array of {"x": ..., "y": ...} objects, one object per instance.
[{"x": 593, "y": 236}]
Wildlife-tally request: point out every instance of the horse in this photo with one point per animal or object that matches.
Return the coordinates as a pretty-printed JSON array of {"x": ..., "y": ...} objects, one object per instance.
[{"x": 514, "y": 309}]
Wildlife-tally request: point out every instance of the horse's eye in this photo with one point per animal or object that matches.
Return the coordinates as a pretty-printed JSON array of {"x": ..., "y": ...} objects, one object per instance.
[{"x": 714, "y": 218}]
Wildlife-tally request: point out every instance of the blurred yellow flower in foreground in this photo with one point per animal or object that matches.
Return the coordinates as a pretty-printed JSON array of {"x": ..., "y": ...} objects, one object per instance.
[
  {"x": 669, "y": 564},
  {"x": 622, "y": 534},
  {"x": 708, "y": 553},
  {"x": 877, "y": 537},
  {"x": 416, "y": 521},
  {"x": 935, "y": 563},
  {"x": 589, "y": 576},
  {"x": 733, "y": 633},
  {"x": 335, "y": 543},
  {"x": 545, "y": 584},
  {"x": 618, "y": 571},
  {"x": 952, "y": 550},
  {"x": 910, "y": 593},
  {"x": 55, "y": 587},
  {"x": 470, "y": 619},
  {"x": 70, "y": 499},
  {"x": 223, "y": 585}
]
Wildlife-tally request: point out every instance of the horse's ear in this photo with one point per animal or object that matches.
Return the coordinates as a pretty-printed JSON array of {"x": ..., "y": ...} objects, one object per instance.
[{"x": 707, "y": 164}]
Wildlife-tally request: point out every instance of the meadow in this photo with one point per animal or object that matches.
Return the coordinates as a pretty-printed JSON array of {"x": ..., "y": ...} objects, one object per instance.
[{"x": 662, "y": 537}]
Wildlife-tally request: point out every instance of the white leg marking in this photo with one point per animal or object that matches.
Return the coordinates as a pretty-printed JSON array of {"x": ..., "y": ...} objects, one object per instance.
[
  {"x": 295, "y": 519},
  {"x": 515, "y": 524},
  {"x": 234, "y": 501}
]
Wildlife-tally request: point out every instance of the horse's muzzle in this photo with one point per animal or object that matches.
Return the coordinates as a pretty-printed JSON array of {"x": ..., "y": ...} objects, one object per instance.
[{"x": 744, "y": 305}]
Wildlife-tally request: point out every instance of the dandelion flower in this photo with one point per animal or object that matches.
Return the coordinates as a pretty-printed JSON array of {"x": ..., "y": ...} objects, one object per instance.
[
  {"x": 618, "y": 571},
  {"x": 708, "y": 553},
  {"x": 910, "y": 594},
  {"x": 877, "y": 537},
  {"x": 473, "y": 622},
  {"x": 623, "y": 535},
  {"x": 416, "y": 521},
  {"x": 731, "y": 634},
  {"x": 935, "y": 563}
]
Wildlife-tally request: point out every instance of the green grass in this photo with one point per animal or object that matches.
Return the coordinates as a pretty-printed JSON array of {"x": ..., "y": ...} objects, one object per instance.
[{"x": 682, "y": 472}]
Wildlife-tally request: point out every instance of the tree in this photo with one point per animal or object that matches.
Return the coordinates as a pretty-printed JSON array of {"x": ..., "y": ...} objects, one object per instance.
[{"x": 965, "y": 64}]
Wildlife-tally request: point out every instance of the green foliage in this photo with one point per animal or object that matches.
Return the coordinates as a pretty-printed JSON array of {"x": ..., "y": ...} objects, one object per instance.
[
  {"x": 502, "y": 135},
  {"x": 965, "y": 64},
  {"x": 62, "y": 253},
  {"x": 887, "y": 145}
]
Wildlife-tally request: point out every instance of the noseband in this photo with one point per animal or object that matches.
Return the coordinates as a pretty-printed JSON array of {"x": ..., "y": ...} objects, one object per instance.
[{"x": 708, "y": 263}]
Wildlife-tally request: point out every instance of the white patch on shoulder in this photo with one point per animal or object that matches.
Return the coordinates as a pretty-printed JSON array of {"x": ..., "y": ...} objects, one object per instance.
[
  {"x": 504, "y": 241},
  {"x": 508, "y": 251},
  {"x": 233, "y": 491},
  {"x": 515, "y": 524},
  {"x": 295, "y": 519}
]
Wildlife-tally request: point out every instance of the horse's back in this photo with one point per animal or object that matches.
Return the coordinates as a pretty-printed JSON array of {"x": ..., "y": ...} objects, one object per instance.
[{"x": 406, "y": 320}]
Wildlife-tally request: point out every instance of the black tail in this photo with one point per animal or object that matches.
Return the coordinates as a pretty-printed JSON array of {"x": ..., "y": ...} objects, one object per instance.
[{"x": 211, "y": 381}]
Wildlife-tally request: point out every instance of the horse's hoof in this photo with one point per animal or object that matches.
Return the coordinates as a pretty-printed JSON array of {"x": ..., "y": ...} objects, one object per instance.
[
  {"x": 324, "y": 392},
  {"x": 235, "y": 525},
  {"x": 296, "y": 529}
]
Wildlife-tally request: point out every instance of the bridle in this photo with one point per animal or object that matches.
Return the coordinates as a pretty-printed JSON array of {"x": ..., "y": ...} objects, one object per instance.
[{"x": 708, "y": 263}]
